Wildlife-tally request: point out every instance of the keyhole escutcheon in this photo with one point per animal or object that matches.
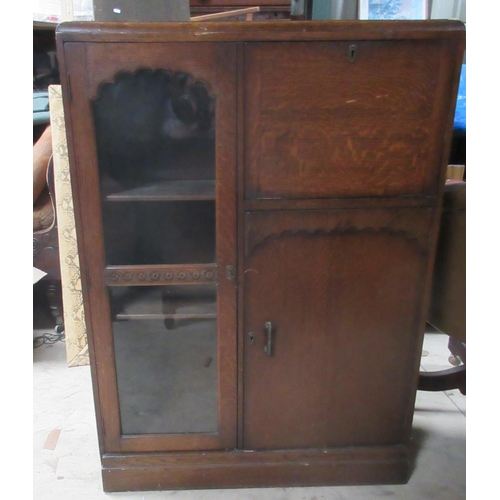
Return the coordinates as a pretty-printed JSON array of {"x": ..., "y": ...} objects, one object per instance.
[{"x": 352, "y": 53}]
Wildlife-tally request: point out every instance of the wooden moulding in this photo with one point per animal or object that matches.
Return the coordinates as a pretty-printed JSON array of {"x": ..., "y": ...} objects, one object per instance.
[
  {"x": 247, "y": 469},
  {"x": 175, "y": 274},
  {"x": 257, "y": 31}
]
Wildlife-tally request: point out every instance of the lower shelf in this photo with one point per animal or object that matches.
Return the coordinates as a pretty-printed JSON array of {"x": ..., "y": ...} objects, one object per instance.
[
  {"x": 247, "y": 469},
  {"x": 167, "y": 303}
]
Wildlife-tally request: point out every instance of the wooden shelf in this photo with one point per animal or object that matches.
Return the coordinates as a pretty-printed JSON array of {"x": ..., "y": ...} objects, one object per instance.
[
  {"x": 194, "y": 302},
  {"x": 168, "y": 191}
]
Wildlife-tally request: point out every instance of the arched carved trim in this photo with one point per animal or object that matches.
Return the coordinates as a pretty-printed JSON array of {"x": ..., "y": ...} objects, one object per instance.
[
  {"x": 146, "y": 70},
  {"x": 252, "y": 247},
  {"x": 191, "y": 101},
  {"x": 145, "y": 120}
]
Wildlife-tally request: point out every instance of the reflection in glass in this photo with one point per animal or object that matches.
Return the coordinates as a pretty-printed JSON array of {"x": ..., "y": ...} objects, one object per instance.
[
  {"x": 165, "y": 341},
  {"x": 159, "y": 233},
  {"x": 155, "y": 135}
]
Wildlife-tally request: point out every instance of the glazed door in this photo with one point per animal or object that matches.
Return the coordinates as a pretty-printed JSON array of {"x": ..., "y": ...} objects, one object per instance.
[
  {"x": 332, "y": 314},
  {"x": 153, "y": 131}
]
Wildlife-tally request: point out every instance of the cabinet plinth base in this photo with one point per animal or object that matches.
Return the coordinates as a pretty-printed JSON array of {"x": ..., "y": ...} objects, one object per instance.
[{"x": 247, "y": 469}]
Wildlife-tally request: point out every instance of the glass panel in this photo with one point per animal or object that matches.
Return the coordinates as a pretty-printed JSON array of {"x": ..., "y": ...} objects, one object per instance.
[
  {"x": 155, "y": 135},
  {"x": 165, "y": 341},
  {"x": 181, "y": 232}
]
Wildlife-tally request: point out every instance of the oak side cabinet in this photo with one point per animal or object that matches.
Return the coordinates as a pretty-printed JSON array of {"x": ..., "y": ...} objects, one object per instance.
[{"x": 257, "y": 208}]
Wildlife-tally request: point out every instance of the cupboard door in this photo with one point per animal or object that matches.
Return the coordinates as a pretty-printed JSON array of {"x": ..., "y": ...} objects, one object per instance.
[
  {"x": 332, "y": 326},
  {"x": 153, "y": 134}
]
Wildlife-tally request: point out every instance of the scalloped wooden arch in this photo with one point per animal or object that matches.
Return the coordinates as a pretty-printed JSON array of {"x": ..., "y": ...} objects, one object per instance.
[{"x": 336, "y": 231}]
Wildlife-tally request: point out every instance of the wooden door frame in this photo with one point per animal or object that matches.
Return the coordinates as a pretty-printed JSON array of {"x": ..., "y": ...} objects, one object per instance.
[{"x": 85, "y": 186}]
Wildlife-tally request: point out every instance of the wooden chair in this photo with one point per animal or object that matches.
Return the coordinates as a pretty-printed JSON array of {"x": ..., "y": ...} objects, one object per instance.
[
  {"x": 448, "y": 298},
  {"x": 46, "y": 257}
]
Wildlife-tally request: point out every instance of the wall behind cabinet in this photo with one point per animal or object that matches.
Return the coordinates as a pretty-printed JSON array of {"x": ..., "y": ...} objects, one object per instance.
[{"x": 348, "y": 9}]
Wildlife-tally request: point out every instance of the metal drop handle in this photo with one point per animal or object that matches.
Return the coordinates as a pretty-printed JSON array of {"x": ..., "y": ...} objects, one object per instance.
[{"x": 268, "y": 348}]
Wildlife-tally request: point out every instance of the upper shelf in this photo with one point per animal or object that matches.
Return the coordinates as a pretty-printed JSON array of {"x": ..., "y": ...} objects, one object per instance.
[{"x": 168, "y": 191}]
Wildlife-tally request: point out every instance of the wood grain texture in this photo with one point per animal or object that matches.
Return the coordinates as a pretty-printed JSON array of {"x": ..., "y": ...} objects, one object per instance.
[
  {"x": 261, "y": 31},
  {"x": 237, "y": 469},
  {"x": 85, "y": 188},
  {"x": 339, "y": 203},
  {"x": 241, "y": 228},
  {"x": 372, "y": 126},
  {"x": 226, "y": 241}
]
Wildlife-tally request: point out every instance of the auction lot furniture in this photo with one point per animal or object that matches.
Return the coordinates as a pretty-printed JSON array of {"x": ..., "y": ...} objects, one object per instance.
[{"x": 257, "y": 210}]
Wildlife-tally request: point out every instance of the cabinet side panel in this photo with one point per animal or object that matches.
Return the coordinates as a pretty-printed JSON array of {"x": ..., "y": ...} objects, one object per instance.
[{"x": 85, "y": 188}]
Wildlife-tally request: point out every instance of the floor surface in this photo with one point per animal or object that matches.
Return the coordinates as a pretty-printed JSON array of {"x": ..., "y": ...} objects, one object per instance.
[{"x": 67, "y": 467}]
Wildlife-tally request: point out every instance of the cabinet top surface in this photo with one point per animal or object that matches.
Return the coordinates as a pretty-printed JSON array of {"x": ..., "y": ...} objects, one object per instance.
[{"x": 258, "y": 31}]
